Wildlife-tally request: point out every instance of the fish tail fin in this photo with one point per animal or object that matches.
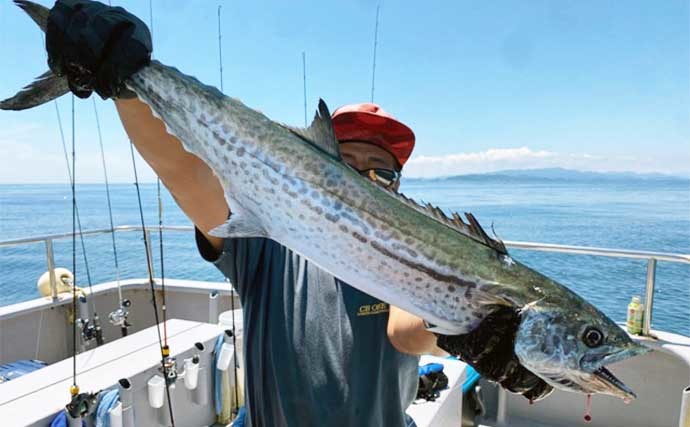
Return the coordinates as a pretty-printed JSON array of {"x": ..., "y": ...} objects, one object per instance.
[
  {"x": 47, "y": 86},
  {"x": 37, "y": 12}
]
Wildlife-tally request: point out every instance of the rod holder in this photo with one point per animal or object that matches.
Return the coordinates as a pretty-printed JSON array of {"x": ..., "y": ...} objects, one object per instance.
[
  {"x": 684, "y": 420},
  {"x": 200, "y": 393},
  {"x": 127, "y": 402},
  {"x": 213, "y": 304},
  {"x": 227, "y": 352},
  {"x": 115, "y": 415},
  {"x": 73, "y": 422},
  {"x": 156, "y": 391},
  {"x": 191, "y": 372}
]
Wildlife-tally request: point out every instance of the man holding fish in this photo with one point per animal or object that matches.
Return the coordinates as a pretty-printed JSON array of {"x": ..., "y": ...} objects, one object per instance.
[{"x": 317, "y": 350}]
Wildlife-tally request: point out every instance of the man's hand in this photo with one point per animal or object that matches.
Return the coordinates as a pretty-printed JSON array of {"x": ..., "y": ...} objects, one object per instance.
[
  {"x": 489, "y": 350},
  {"x": 96, "y": 46}
]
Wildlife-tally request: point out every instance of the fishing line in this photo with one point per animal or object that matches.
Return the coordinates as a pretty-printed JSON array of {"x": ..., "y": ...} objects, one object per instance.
[
  {"x": 76, "y": 208},
  {"x": 110, "y": 209},
  {"x": 149, "y": 265},
  {"x": 69, "y": 173}
]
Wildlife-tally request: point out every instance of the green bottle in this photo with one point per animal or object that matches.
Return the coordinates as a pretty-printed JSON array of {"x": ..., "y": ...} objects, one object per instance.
[{"x": 635, "y": 316}]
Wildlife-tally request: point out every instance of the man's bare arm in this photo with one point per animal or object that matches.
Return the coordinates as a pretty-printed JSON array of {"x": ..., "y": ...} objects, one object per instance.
[
  {"x": 193, "y": 185},
  {"x": 408, "y": 334}
]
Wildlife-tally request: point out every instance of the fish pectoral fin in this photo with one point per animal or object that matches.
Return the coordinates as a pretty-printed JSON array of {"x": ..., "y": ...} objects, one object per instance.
[
  {"x": 45, "y": 88},
  {"x": 320, "y": 134},
  {"x": 238, "y": 226}
]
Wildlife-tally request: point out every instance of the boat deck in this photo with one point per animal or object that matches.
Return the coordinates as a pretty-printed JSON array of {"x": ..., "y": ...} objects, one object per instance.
[{"x": 35, "y": 398}]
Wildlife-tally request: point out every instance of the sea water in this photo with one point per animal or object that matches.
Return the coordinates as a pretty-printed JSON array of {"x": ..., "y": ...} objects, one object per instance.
[{"x": 625, "y": 213}]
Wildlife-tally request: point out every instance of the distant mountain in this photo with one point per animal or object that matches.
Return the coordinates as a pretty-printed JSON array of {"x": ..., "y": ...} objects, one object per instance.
[{"x": 560, "y": 174}]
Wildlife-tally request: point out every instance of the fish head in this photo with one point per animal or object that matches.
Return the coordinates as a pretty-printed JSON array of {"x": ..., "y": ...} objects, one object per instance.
[{"x": 569, "y": 348}]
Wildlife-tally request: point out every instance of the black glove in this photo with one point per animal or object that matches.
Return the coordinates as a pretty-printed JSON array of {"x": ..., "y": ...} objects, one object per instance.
[
  {"x": 96, "y": 46},
  {"x": 489, "y": 349}
]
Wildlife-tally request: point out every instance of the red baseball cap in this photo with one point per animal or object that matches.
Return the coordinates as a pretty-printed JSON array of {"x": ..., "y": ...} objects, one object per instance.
[{"x": 368, "y": 122}]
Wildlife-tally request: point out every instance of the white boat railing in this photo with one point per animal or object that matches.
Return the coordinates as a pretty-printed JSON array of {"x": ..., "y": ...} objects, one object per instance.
[{"x": 651, "y": 257}]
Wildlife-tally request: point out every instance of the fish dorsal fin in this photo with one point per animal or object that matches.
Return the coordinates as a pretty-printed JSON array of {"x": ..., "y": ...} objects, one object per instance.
[
  {"x": 320, "y": 133},
  {"x": 471, "y": 228}
]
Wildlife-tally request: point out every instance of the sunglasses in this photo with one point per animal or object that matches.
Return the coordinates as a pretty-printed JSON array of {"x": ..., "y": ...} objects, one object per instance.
[{"x": 384, "y": 177}]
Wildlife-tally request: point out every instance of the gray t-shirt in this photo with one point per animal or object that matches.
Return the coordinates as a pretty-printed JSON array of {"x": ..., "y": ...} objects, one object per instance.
[{"x": 316, "y": 349}]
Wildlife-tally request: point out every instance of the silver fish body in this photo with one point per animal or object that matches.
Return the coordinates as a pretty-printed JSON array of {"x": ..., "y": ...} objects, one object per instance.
[{"x": 281, "y": 186}]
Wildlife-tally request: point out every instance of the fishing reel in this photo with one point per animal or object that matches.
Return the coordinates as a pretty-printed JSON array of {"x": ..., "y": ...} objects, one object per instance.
[
  {"x": 82, "y": 405},
  {"x": 169, "y": 368},
  {"x": 90, "y": 328},
  {"x": 118, "y": 317}
]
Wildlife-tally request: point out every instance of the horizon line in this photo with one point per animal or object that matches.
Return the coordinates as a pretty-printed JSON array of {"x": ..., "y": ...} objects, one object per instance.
[{"x": 675, "y": 175}]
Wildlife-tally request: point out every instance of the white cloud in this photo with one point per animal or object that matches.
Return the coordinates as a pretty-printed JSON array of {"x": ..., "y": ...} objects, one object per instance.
[
  {"x": 495, "y": 159},
  {"x": 33, "y": 153}
]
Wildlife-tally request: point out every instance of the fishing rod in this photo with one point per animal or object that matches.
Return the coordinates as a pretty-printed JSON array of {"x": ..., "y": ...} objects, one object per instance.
[
  {"x": 167, "y": 363},
  {"x": 81, "y": 404},
  {"x": 304, "y": 85},
  {"x": 164, "y": 308},
  {"x": 117, "y": 317},
  {"x": 90, "y": 328},
  {"x": 232, "y": 288},
  {"x": 376, "y": 38}
]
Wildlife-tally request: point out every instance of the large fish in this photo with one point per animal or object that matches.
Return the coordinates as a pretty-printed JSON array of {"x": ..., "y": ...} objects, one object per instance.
[{"x": 292, "y": 186}]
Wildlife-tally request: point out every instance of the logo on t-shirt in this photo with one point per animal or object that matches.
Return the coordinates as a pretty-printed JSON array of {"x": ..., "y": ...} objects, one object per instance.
[{"x": 369, "y": 309}]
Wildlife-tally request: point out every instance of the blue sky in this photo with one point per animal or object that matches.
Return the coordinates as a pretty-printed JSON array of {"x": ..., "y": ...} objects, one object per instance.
[{"x": 592, "y": 85}]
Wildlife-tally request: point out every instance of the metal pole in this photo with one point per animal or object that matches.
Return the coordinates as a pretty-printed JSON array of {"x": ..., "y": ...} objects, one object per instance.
[
  {"x": 51, "y": 269},
  {"x": 649, "y": 296}
]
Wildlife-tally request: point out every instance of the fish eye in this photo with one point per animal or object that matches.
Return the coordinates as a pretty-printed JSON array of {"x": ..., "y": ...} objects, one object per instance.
[{"x": 592, "y": 337}]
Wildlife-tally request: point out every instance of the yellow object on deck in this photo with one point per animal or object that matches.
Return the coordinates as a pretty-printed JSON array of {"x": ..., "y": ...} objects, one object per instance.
[{"x": 64, "y": 281}]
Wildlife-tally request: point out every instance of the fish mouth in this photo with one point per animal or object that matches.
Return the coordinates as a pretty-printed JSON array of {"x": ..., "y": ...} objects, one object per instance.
[
  {"x": 604, "y": 381},
  {"x": 616, "y": 386}
]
